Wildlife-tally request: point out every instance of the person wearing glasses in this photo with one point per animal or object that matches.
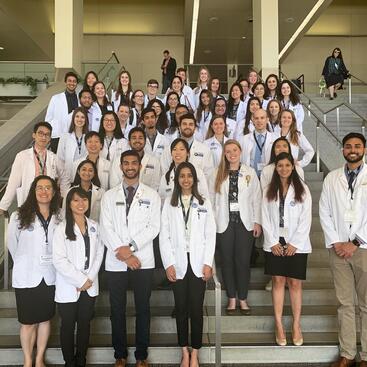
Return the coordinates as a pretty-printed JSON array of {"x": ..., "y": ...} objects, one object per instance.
[
  {"x": 152, "y": 91},
  {"x": 334, "y": 72},
  {"x": 33, "y": 162}
]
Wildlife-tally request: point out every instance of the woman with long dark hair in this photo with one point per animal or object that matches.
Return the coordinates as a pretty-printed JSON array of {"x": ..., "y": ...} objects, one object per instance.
[
  {"x": 220, "y": 109},
  {"x": 172, "y": 101},
  {"x": 77, "y": 257},
  {"x": 297, "y": 140},
  {"x": 273, "y": 110},
  {"x": 272, "y": 87},
  {"x": 110, "y": 132},
  {"x": 290, "y": 101},
  {"x": 238, "y": 217},
  {"x": 90, "y": 78},
  {"x": 137, "y": 106},
  {"x": 236, "y": 108},
  {"x": 124, "y": 91},
  {"x": 86, "y": 177},
  {"x": 259, "y": 91},
  {"x": 71, "y": 145},
  {"x": 203, "y": 112},
  {"x": 100, "y": 104},
  {"x": 201, "y": 84},
  {"x": 180, "y": 152},
  {"x": 334, "y": 72},
  {"x": 280, "y": 145},
  {"x": 187, "y": 245},
  {"x": 246, "y": 125},
  {"x": 177, "y": 86},
  {"x": 158, "y": 107},
  {"x": 30, "y": 243},
  {"x": 286, "y": 221}
]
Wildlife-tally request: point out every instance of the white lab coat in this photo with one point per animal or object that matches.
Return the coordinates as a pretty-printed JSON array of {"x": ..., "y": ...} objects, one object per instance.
[
  {"x": 238, "y": 133},
  {"x": 116, "y": 101},
  {"x": 160, "y": 143},
  {"x": 267, "y": 174},
  {"x": 336, "y": 205},
  {"x": 26, "y": 247},
  {"x": 172, "y": 242},
  {"x": 150, "y": 172},
  {"x": 117, "y": 147},
  {"x": 23, "y": 174},
  {"x": 248, "y": 145},
  {"x": 204, "y": 122},
  {"x": 249, "y": 199},
  {"x": 69, "y": 261},
  {"x": 103, "y": 169},
  {"x": 304, "y": 145},
  {"x": 200, "y": 157},
  {"x": 57, "y": 115},
  {"x": 67, "y": 151},
  {"x": 97, "y": 115},
  {"x": 95, "y": 209},
  {"x": 165, "y": 190},
  {"x": 216, "y": 149},
  {"x": 141, "y": 225},
  {"x": 297, "y": 221}
]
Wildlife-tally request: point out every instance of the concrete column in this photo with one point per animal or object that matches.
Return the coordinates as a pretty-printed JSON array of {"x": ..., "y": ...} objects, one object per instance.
[
  {"x": 69, "y": 34},
  {"x": 265, "y": 36}
]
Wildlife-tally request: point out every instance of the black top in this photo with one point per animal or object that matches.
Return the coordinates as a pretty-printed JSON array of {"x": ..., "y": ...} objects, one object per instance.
[
  {"x": 72, "y": 101},
  {"x": 233, "y": 195}
]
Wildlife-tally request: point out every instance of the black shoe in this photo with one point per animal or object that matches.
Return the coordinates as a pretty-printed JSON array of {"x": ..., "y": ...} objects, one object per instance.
[
  {"x": 335, "y": 95},
  {"x": 331, "y": 98}
]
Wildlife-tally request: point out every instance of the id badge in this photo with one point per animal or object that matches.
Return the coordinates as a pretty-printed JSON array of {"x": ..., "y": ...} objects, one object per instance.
[
  {"x": 283, "y": 232},
  {"x": 45, "y": 259},
  {"x": 350, "y": 216},
  {"x": 260, "y": 166},
  {"x": 234, "y": 207}
]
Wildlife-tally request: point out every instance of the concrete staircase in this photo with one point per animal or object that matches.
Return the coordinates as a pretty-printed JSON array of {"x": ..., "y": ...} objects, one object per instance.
[
  {"x": 245, "y": 339},
  {"x": 349, "y": 121}
]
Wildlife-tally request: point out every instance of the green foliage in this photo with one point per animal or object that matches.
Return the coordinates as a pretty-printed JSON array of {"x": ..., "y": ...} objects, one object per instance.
[{"x": 28, "y": 80}]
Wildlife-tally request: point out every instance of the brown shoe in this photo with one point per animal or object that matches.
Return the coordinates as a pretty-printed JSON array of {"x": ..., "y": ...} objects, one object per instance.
[
  {"x": 120, "y": 362},
  {"x": 363, "y": 364},
  {"x": 142, "y": 363},
  {"x": 344, "y": 362}
]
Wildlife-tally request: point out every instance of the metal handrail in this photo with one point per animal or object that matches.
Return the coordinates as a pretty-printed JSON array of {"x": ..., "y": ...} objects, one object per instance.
[
  {"x": 113, "y": 55},
  {"x": 324, "y": 113},
  {"x": 360, "y": 80},
  {"x": 218, "y": 317}
]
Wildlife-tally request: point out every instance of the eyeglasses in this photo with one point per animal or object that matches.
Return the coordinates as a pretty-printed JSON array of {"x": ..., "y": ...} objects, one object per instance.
[
  {"x": 153, "y": 85},
  {"x": 139, "y": 96},
  {"x": 44, "y": 188},
  {"x": 336, "y": 52},
  {"x": 41, "y": 134}
]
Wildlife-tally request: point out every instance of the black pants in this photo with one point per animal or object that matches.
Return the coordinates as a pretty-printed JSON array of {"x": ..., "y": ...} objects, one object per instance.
[
  {"x": 235, "y": 246},
  {"x": 189, "y": 298},
  {"x": 80, "y": 313},
  {"x": 54, "y": 144},
  {"x": 141, "y": 282}
]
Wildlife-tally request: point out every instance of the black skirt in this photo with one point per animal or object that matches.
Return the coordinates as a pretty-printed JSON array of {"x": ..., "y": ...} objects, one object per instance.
[
  {"x": 333, "y": 79},
  {"x": 286, "y": 266},
  {"x": 35, "y": 305}
]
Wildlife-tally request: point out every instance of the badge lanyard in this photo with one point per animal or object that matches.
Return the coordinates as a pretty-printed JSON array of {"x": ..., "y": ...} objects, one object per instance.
[
  {"x": 262, "y": 145},
  {"x": 186, "y": 215},
  {"x": 41, "y": 164},
  {"x": 45, "y": 223},
  {"x": 108, "y": 148},
  {"x": 79, "y": 143}
]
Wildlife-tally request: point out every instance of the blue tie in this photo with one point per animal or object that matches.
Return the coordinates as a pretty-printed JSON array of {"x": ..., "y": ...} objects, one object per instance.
[{"x": 257, "y": 158}]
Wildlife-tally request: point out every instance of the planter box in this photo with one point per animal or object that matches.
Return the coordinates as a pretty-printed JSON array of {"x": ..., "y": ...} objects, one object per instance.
[{"x": 20, "y": 90}]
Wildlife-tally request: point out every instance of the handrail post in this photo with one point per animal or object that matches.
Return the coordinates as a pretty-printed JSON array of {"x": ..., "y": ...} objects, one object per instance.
[
  {"x": 325, "y": 118},
  {"x": 317, "y": 148},
  {"x": 337, "y": 123},
  {"x": 350, "y": 90},
  {"x": 218, "y": 331},
  {"x": 309, "y": 108},
  {"x": 364, "y": 127},
  {"x": 6, "y": 254}
]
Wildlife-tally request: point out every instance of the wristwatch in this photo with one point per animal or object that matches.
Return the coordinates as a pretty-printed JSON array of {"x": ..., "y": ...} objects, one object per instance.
[
  {"x": 131, "y": 247},
  {"x": 356, "y": 242}
]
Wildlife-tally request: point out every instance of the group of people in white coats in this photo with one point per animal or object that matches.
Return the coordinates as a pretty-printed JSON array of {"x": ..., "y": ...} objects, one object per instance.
[{"x": 124, "y": 177}]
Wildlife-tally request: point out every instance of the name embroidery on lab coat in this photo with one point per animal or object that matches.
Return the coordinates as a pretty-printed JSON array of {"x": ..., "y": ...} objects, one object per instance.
[{"x": 198, "y": 154}]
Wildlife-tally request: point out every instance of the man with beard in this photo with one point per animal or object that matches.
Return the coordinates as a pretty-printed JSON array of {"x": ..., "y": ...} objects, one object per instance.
[
  {"x": 343, "y": 216},
  {"x": 86, "y": 101},
  {"x": 200, "y": 154},
  {"x": 130, "y": 220},
  {"x": 150, "y": 173},
  {"x": 156, "y": 141}
]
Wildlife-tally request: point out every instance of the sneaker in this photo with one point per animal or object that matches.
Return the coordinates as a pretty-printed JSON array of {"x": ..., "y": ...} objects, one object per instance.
[{"x": 269, "y": 286}]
